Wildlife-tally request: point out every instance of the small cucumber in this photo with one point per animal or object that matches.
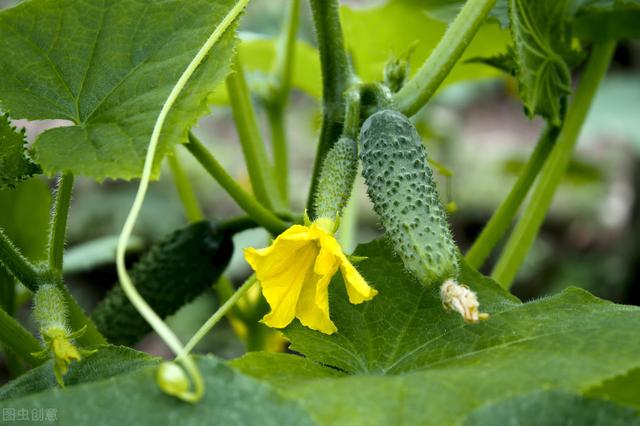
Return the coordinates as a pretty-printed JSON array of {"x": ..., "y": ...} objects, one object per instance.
[
  {"x": 336, "y": 178},
  {"x": 404, "y": 195},
  {"x": 172, "y": 273},
  {"x": 50, "y": 309}
]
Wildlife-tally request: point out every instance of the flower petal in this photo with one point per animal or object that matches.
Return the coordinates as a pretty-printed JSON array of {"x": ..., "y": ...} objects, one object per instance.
[
  {"x": 282, "y": 290},
  {"x": 357, "y": 288},
  {"x": 273, "y": 260},
  {"x": 311, "y": 313}
]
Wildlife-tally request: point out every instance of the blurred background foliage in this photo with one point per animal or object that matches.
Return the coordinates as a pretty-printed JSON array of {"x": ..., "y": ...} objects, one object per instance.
[{"x": 475, "y": 127}]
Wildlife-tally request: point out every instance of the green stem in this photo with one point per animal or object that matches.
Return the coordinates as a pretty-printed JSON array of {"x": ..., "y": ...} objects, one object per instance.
[
  {"x": 60, "y": 213},
  {"x": 255, "y": 153},
  {"x": 185, "y": 190},
  {"x": 17, "y": 265},
  {"x": 417, "y": 91},
  {"x": 283, "y": 65},
  {"x": 276, "y": 116},
  {"x": 217, "y": 316},
  {"x": 502, "y": 218},
  {"x": 15, "y": 337},
  {"x": 278, "y": 97},
  {"x": 336, "y": 78},
  {"x": 249, "y": 204},
  {"x": 224, "y": 291},
  {"x": 554, "y": 169},
  {"x": 351, "y": 126},
  {"x": 59, "y": 216}
]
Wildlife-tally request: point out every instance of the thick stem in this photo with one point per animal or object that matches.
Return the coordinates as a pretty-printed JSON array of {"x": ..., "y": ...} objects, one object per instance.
[
  {"x": 554, "y": 169},
  {"x": 502, "y": 218},
  {"x": 185, "y": 190},
  {"x": 15, "y": 337},
  {"x": 217, "y": 316},
  {"x": 275, "y": 113},
  {"x": 257, "y": 211},
  {"x": 59, "y": 216},
  {"x": 17, "y": 265},
  {"x": 255, "y": 153},
  {"x": 336, "y": 78},
  {"x": 435, "y": 69}
]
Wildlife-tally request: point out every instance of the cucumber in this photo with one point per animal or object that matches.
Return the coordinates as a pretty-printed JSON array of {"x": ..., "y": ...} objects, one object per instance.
[
  {"x": 336, "y": 178},
  {"x": 50, "y": 310},
  {"x": 400, "y": 184},
  {"x": 172, "y": 273}
]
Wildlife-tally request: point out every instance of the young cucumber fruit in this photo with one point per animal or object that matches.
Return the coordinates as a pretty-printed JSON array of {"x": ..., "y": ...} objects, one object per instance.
[
  {"x": 336, "y": 178},
  {"x": 173, "y": 272},
  {"x": 401, "y": 187},
  {"x": 50, "y": 309}
]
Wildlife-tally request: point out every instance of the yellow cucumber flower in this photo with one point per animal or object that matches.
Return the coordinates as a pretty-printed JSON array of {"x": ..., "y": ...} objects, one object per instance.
[
  {"x": 59, "y": 345},
  {"x": 295, "y": 272}
]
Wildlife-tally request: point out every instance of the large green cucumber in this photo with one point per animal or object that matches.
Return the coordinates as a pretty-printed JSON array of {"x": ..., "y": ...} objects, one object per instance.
[
  {"x": 173, "y": 272},
  {"x": 404, "y": 195}
]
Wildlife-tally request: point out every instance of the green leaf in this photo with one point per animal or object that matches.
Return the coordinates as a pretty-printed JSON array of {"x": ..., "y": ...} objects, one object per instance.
[
  {"x": 109, "y": 361},
  {"x": 15, "y": 165},
  {"x": 135, "y": 399},
  {"x": 374, "y": 35},
  {"x": 505, "y": 62},
  {"x": 378, "y": 338},
  {"x": 405, "y": 359},
  {"x": 553, "y": 409},
  {"x": 283, "y": 370},
  {"x": 539, "y": 32},
  {"x": 108, "y": 67},
  {"x": 622, "y": 389}
]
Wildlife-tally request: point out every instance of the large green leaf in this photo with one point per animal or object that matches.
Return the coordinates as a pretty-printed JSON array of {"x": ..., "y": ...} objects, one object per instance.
[
  {"x": 553, "y": 409},
  {"x": 622, "y": 389},
  {"x": 135, "y": 399},
  {"x": 15, "y": 166},
  {"x": 392, "y": 333},
  {"x": 109, "y": 361},
  {"x": 539, "y": 31},
  {"x": 373, "y": 35},
  {"x": 402, "y": 358},
  {"x": 108, "y": 66}
]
